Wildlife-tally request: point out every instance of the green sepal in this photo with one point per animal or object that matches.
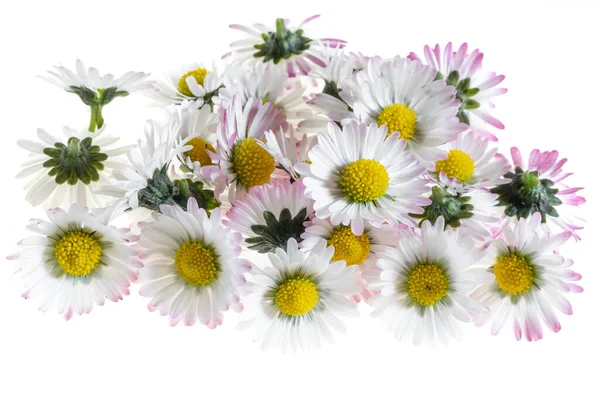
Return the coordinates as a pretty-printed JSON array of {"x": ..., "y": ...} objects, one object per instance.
[{"x": 277, "y": 231}]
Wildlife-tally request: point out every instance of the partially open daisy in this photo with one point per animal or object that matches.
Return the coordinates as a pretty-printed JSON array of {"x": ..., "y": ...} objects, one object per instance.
[
  {"x": 475, "y": 89},
  {"x": 403, "y": 95},
  {"x": 425, "y": 284},
  {"x": 281, "y": 46},
  {"x": 525, "y": 279},
  {"x": 269, "y": 215},
  {"x": 358, "y": 250},
  {"x": 198, "y": 130},
  {"x": 287, "y": 150},
  {"x": 95, "y": 90},
  {"x": 241, "y": 159},
  {"x": 297, "y": 300},
  {"x": 192, "y": 269},
  {"x": 358, "y": 174},
  {"x": 76, "y": 261},
  {"x": 539, "y": 187},
  {"x": 264, "y": 82},
  {"x": 469, "y": 163},
  {"x": 191, "y": 82},
  {"x": 64, "y": 171}
]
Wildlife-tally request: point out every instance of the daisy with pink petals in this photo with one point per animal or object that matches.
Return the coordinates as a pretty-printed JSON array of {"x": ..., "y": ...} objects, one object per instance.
[
  {"x": 538, "y": 187},
  {"x": 475, "y": 89},
  {"x": 525, "y": 280},
  {"x": 76, "y": 261},
  {"x": 241, "y": 159},
  {"x": 287, "y": 150},
  {"x": 192, "y": 270},
  {"x": 281, "y": 46}
]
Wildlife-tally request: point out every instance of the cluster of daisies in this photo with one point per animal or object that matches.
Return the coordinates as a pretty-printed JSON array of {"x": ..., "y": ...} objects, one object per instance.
[{"x": 295, "y": 181}]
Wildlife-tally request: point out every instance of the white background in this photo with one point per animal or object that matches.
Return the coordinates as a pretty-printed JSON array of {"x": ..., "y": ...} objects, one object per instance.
[{"x": 548, "y": 51}]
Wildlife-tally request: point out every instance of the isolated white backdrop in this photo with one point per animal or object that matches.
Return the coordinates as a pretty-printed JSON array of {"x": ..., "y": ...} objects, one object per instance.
[{"x": 548, "y": 51}]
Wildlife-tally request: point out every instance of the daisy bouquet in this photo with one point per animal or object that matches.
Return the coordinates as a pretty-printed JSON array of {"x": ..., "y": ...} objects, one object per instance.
[{"x": 293, "y": 181}]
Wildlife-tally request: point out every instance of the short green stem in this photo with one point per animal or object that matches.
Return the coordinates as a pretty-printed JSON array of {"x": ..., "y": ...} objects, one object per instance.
[{"x": 96, "y": 120}]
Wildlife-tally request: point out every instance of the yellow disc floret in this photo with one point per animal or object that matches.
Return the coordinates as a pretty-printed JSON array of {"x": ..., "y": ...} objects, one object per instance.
[
  {"x": 296, "y": 296},
  {"x": 198, "y": 74},
  {"x": 364, "y": 180},
  {"x": 78, "y": 253},
  {"x": 349, "y": 247},
  {"x": 514, "y": 274},
  {"x": 197, "y": 263},
  {"x": 427, "y": 284},
  {"x": 198, "y": 152},
  {"x": 252, "y": 165},
  {"x": 458, "y": 165},
  {"x": 399, "y": 117}
]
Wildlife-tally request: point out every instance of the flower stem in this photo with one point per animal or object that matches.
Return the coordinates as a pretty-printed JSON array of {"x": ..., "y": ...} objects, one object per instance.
[{"x": 96, "y": 120}]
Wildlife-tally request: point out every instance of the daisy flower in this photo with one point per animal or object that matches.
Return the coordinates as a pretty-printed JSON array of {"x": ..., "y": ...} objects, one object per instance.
[
  {"x": 287, "y": 150},
  {"x": 469, "y": 163},
  {"x": 403, "y": 95},
  {"x": 354, "y": 249},
  {"x": 297, "y": 300},
  {"x": 424, "y": 284},
  {"x": 474, "y": 88},
  {"x": 268, "y": 215},
  {"x": 76, "y": 261},
  {"x": 198, "y": 129},
  {"x": 281, "y": 46},
  {"x": 95, "y": 90},
  {"x": 358, "y": 174},
  {"x": 524, "y": 282},
  {"x": 192, "y": 268},
  {"x": 190, "y": 82},
  {"x": 64, "y": 171},
  {"x": 241, "y": 159},
  {"x": 472, "y": 211},
  {"x": 539, "y": 187},
  {"x": 264, "y": 82}
]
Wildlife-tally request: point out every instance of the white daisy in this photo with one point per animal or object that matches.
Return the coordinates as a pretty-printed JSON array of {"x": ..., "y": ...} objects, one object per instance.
[
  {"x": 525, "y": 279},
  {"x": 424, "y": 284},
  {"x": 263, "y": 82},
  {"x": 359, "y": 175},
  {"x": 287, "y": 150},
  {"x": 198, "y": 129},
  {"x": 469, "y": 163},
  {"x": 64, "y": 171},
  {"x": 281, "y": 46},
  {"x": 191, "y": 82},
  {"x": 76, "y": 261},
  {"x": 192, "y": 268},
  {"x": 268, "y": 215},
  {"x": 241, "y": 159},
  {"x": 297, "y": 300},
  {"x": 354, "y": 249},
  {"x": 475, "y": 89},
  {"x": 403, "y": 95}
]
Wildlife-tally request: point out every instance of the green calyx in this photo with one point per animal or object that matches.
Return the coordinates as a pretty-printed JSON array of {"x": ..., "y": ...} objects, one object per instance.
[
  {"x": 281, "y": 44},
  {"x": 464, "y": 92},
  {"x": 276, "y": 232},
  {"x": 161, "y": 190},
  {"x": 527, "y": 194},
  {"x": 96, "y": 100},
  {"x": 452, "y": 208},
  {"x": 79, "y": 160}
]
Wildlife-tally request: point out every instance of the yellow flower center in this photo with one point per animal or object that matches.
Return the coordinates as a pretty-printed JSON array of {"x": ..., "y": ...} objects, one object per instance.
[
  {"x": 364, "y": 180},
  {"x": 199, "y": 151},
  {"x": 78, "y": 253},
  {"x": 427, "y": 284},
  {"x": 252, "y": 164},
  {"x": 399, "y": 117},
  {"x": 197, "y": 263},
  {"x": 198, "y": 74},
  {"x": 349, "y": 247},
  {"x": 514, "y": 274},
  {"x": 296, "y": 296},
  {"x": 458, "y": 165}
]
